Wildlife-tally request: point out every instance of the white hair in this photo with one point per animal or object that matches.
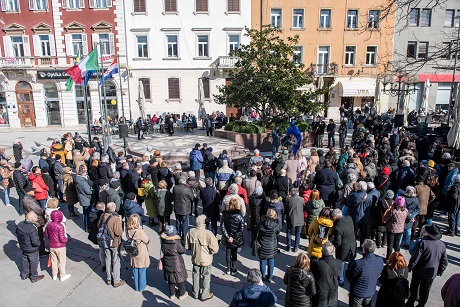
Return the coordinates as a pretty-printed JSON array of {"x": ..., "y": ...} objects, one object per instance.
[{"x": 362, "y": 185}]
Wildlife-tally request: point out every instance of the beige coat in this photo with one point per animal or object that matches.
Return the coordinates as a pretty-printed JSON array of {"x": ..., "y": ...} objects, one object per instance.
[
  {"x": 142, "y": 260},
  {"x": 7, "y": 176},
  {"x": 312, "y": 163},
  {"x": 78, "y": 160},
  {"x": 203, "y": 245},
  {"x": 425, "y": 196},
  {"x": 68, "y": 147}
]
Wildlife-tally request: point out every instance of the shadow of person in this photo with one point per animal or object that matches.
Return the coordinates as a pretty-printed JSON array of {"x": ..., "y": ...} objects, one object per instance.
[
  {"x": 11, "y": 226},
  {"x": 14, "y": 253},
  {"x": 155, "y": 300}
]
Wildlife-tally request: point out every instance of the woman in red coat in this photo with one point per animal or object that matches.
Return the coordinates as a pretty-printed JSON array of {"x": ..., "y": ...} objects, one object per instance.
[{"x": 41, "y": 189}]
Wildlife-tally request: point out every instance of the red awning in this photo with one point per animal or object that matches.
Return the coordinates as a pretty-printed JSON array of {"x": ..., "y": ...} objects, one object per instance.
[{"x": 438, "y": 78}]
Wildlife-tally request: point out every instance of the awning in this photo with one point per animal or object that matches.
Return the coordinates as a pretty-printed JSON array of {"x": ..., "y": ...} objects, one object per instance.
[
  {"x": 438, "y": 78},
  {"x": 356, "y": 87}
]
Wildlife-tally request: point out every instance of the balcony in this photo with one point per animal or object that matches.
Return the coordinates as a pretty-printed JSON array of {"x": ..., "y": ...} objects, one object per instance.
[
  {"x": 227, "y": 61},
  {"x": 46, "y": 62},
  {"x": 324, "y": 69},
  {"x": 16, "y": 62}
]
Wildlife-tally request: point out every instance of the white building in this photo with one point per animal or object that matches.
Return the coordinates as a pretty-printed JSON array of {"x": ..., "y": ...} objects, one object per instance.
[{"x": 172, "y": 44}]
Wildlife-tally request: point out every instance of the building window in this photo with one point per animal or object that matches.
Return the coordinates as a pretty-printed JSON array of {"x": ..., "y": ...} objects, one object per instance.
[
  {"x": 448, "y": 53},
  {"x": 425, "y": 19},
  {"x": 297, "y": 18},
  {"x": 44, "y": 45},
  {"x": 73, "y": 4},
  {"x": 100, "y": 4},
  {"x": 233, "y": 5},
  {"x": 325, "y": 19},
  {"x": 106, "y": 42},
  {"x": 77, "y": 44},
  {"x": 371, "y": 55},
  {"x": 170, "y": 6},
  {"x": 174, "y": 88},
  {"x": 449, "y": 19},
  {"x": 142, "y": 46},
  {"x": 412, "y": 50},
  {"x": 146, "y": 86},
  {"x": 373, "y": 22},
  {"x": 233, "y": 42},
  {"x": 38, "y": 5},
  {"x": 422, "y": 50},
  {"x": 350, "y": 55},
  {"x": 10, "y": 5},
  {"x": 323, "y": 59},
  {"x": 298, "y": 54},
  {"x": 352, "y": 19},
  {"x": 201, "y": 6},
  {"x": 206, "y": 88},
  {"x": 203, "y": 45},
  {"x": 276, "y": 18},
  {"x": 17, "y": 43},
  {"x": 139, "y": 6},
  {"x": 173, "y": 47},
  {"x": 414, "y": 17}
]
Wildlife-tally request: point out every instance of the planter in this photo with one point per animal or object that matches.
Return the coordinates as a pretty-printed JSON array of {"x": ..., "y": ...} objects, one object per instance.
[{"x": 261, "y": 141}]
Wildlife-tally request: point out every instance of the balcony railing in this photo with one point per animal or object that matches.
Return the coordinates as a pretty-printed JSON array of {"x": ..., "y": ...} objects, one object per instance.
[
  {"x": 227, "y": 61},
  {"x": 324, "y": 69}
]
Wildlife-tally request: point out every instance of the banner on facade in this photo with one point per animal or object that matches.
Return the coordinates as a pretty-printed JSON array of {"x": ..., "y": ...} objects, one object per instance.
[{"x": 60, "y": 74}]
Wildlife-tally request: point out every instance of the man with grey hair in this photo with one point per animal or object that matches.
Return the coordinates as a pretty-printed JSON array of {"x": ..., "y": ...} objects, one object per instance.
[
  {"x": 183, "y": 201},
  {"x": 326, "y": 271},
  {"x": 344, "y": 240},
  {"x": 241, "y": 191},
  {"x": 224, "y": 178},
  {"x": 254, "y": 293},
  {"x": 256, "y": 158},
  {"x": 233, "y": 193},
  {"x": 203, "y": 245},
  {"x": 356, "y": 198},
  {"x": 363, "y": 275},
  {"x": 406, "y": 176},
  {"x": 295, "y": 219}
]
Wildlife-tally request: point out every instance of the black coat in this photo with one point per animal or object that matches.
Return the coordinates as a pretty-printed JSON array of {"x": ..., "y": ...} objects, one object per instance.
[
  {"x": 105, "y": 171},
  {"x": 28, "y": 238},
  {"x": 326, "y": 181},
  {"x": 429, "y": 259},
  {"x": 17, "y": 152},
  {"x": 326, "y": 272},
  {"x": 166, "y": 175},
  {"x": 300, "y": 287},
  {"x": 153, "y": 171},
  {"x": 387, "y": 279},
  {"x": 344, "y": 239},
  {"x": 20, "y": 181},
  {"x": 267, "y": 238},
  {"x": 210, "y": 200},
  {"x": 452, "y": 203},
  {"x": 173, "y": 262},
  {"x": 183, "y": 199},
  {"x": 256, "y": 209},
  {"x": 232, "y": 226},
  {"x": 283, "y": 185}
]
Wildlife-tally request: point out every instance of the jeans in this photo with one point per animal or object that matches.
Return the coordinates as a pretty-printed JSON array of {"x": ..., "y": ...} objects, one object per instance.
[
  {"x": 407, "y": 235},
  {"x": 211, "y": 175},
  {"x": 85, "y": 216},
  {"x": 360, "y": 301},
  {"x": 182, "y": 222},
  {"x": 342, "y": 271},
  {"x": 296, "y": 230},
  {"x": 350, "y": 124},
  {"x": 231, "y": 257},
  {"x": 42, "y": 204},
  {"x": 393, "y": 241},
  {"x": 20, "y": 206},
  {"x": 271, "y": 267},
  {"x": 6, "y": 196},
  {"x": 275, "y": 151},
  {"x": 341, "y": 142},
  {"x": 30, "y": 264},
  {"x": 201, "y": 274},
  {"x": 140, "y": 279},
  {"x": 330, "y": 139},
  {"x": 419, "y": 291},
  {"x": 453, "y": 221},
  {"x": 59, "y": 184},
  {"x": 112, "y": 259}
]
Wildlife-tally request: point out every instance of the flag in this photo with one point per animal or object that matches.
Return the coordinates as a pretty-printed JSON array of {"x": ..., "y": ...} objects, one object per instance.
[
  {"x": 69, "y": 83},
  {"x": 112, "y": 69},
  {"x": 81, "y": 72}
]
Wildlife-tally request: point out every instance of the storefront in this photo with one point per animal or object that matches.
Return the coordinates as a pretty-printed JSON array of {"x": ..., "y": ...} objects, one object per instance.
[
  {"x": 25, "y": 101},
  {"x": 356, "y": 92},
  {"x": 52, "y": 104}
]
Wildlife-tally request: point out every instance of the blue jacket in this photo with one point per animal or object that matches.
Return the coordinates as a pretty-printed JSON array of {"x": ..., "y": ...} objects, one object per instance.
[
  {"x": 363, "y": 275},
  {"x": 196, "y": 160},
  {"x": 449, "y": 180},
  {"x": 406, "y": 177},
  {"x": 254, "y": 295},
  {"x": 132, "y": 207},
  {"x": 363, "y": 211},
  {"x": 413, "y": 207},
  {"x": 353, "y": 201}
]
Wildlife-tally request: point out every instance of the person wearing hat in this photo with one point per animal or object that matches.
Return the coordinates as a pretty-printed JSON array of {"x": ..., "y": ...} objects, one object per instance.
[
  {"x": 196, "y": 160},
  {"x": 20, "y": 183},
  {"x": 69, "y": 191},
  {"x": 115, "y": 194},
  {"x": 428, "y": 261},
  {"x": 395, "y": 219},
  {"x": 452, "y": 206},
  {"x": 433, "y": 168}
]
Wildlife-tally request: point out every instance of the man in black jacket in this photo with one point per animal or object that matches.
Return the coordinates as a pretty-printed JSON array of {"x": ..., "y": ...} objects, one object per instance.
[
  {"x": 210, "y": 199},
  {"x": 20, "y": 182},
  {"x": 331, "y": 133},
  {"x": 29, "y": 242},
  {"x": 295, "y": 219},
  {"x": 183, "y": 200},
  {"x": 326, "y": 180},
  {"x": 104, "y": 168},
  {"x": 344, "y": 240}
]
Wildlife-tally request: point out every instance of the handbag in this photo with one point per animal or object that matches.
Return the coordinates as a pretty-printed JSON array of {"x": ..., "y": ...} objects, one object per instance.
[
  {"x": 50, "y": 263},
  {"x": 131, "y": 246}
]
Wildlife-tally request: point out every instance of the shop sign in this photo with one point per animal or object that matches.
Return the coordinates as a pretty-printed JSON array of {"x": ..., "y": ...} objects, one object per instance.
[
  {"x": 58, "y": 74},
  {"x": 363, "y": 92}
]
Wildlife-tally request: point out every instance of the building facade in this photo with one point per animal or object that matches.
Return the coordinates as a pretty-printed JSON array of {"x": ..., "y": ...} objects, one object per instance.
[{"x": 424, "y": 45}]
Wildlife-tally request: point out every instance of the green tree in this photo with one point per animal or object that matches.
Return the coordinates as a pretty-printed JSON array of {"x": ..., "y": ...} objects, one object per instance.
[{"x": 268, "y": 76}]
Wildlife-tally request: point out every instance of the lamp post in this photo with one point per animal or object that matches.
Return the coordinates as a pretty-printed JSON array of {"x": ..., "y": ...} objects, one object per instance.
[
  {"x": 454, "y": 72},
  {"x": 393, "y": 86}
]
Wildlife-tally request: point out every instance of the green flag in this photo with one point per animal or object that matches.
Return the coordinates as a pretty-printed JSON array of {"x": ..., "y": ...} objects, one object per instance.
[{"x": 69, "y": 83}]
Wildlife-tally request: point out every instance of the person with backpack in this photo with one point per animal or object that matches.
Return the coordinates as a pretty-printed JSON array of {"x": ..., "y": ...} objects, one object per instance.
[
  {"x": 139, "y": 253},
  {"x": 319, "y": 232},
  {"x": 395, "y": 287},
  {"x": 109, "y": 238},
  {"x": 94, "y": 217},
  {"x": 395, "y": 219}
]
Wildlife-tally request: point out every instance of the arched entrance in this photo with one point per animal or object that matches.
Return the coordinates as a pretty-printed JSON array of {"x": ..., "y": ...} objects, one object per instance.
[
  {"x": 110, "y": 91},
  {"x": 52, "y": 104},
  {"x": 3, "y": 107},
  {"x": 81, "y": 108},
  {"x": 26, "y": 111}
]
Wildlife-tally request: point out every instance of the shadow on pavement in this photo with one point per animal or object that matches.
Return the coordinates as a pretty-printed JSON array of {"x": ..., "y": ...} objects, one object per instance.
[
  {"x": 13, "y": 252},
  {"x": 155, "y": 300}
]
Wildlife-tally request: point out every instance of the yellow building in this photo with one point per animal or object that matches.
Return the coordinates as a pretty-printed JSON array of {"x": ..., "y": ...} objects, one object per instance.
[{"x": 343, "y": 44}]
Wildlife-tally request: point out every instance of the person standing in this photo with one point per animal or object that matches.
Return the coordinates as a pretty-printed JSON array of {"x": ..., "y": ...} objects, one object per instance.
[
  {"x": 57, "y": 236},
  {"x": 342, "y": 134},
  {"x": 300, "y": 283},
  {"x": 321, "y": 126},
  {"x": 30, "y": 205},
  {"x": 209, "y": 125},
  {"x": 20, "y": 182},
  {"x": 203, "y": 245},
  {"x": 84, "y": 192},
  {"x": 165, "y": 205},
  {"x": 319, "y": 232},
  {"x": 140, "y": 128},
  {"x": 343, "y": 239},
  {"x": 183, "y": 201},
  {"x": 363, "y": 275},
  {"x": 17, "y": 150},
  {"x": 39, "y": 186},
  {"x": 210, "y": 200},
  {"x": 428, "y": 261},
  {"x": 29, "y": 242},
  {"x": 141, "y": 261},
  {"x": 395, "y": 219},
  {"x": 327, "y": 181},
  {"x": 450, "y": 292},
  {"x": 254, "y": 293},
  {"x": 331, "y": 133},
  {"x": 452, "y": 206},
  {"x": 413, "y": 209},
  {"x": 269, "y": 229},
  {"x": 395, "y": 268},
  {"x": 6, "y": 173},
  {"x": 196, "y": 160},
  {"x": 276, "y": 135},
  {"x": 232, "y": 228},
  {"x": 295, "y": 218}
]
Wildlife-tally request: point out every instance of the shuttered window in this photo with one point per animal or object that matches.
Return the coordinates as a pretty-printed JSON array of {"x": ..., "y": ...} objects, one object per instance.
[
  {"x": 139, "y": 6},
  {"x": 201, "y": 5},
  {"x": 170, "y": 5},
  {"x": 233, "y": 6},
  {"x": 146, "y": 85},
  {"x": 174, "y": 88},
  {"x": 206, "y": 89}
]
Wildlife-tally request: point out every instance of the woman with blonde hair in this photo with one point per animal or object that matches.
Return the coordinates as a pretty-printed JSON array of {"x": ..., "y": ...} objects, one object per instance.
[
  {"x": 232, "y": 227},
  {"x": 141, "y": 261},
  {"x": 302, "y": 166},
  {"x": 301, "y": 286},
  {"x": 319, "y": 232},
  {"x": 268, "y": 243},
  {"x": 313, "y": 161},
  {"x": 395, "y": 268}
]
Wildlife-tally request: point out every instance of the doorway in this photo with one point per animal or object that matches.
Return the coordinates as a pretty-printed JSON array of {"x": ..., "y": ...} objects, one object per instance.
[
  {"x": 109, "y": 93},
  {"x": 25, "y": 100},
  {"x": 52, "y": 104}
]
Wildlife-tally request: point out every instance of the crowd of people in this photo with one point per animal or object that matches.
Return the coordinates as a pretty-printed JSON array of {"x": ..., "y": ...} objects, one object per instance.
[{"x": 380, "y": 192}]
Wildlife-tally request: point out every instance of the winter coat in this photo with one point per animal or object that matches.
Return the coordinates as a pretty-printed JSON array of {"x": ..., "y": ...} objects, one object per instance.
[
  {"x": 256, "y": 210},
  {"x": 382, "y": 182},
  {"x": 275, "y": 204},
  {"x": 291, "y": 169},
  {"x": 142, "y": 260},
  {"x": 203, "y": 245},
  {"x": 268, "y": 232},
  {"x": 166, "y": 175},
  {"x": 165, "y": 202},
  {"x": 30, "y": 204},
  {"x": 114, "y": 226},
  {"x": 209, "y": 162},
  {"x": 313, "y": 163},
  {"x": 424, "y": 196},
  {"x": 344, "y": 239},
  {"x": 132, "y": 207},
  {"x": 84, "y": 190},
  {"x": 449, "y": 180},
  {"x": 68, "y": 147},
  {"x": 17, "y": 152},
  {"x": 41, "y": 189},
  {"x": 395, "y": 220},
  {"x": 429, "y": 259},
  {"x": 413, "y": 208},
  {"x": 250, "y": 184},
  {"x": 224, "y": 176},
  {"x": 387, "y": 280},
  {"x": 354, "y": 200},
  {"x": 232, "y": 226},
  {"x": 371, "y": 171},
  {"x": 316, "y": 243},
  {"x": 173, "y": 262},
  {"x": 150, "y": 198},
  {"x": 20, "y": 181},
  {"x": 452, "y": 203},
  {"x": 326, "y": 181},
  {"x": 342, "y": 162},
  {"x": 69, "y": 189},
  {"x": 153, "y": 171},
  {"x": 183, "y": 199},
  {"x": 406, "y": 177},
  {"x": 105, "y": 171},
  {"x": 58, "y": 149},
  {"x": 363, "y": 210},
  {"x": 28, "y": 238},
  {"x": 55, "y": 231},
  {"x": 7, "y": 174},
  {"x": 210, "y": 201},
  {"x": 283, "y": 185},
  {"x": 326, "y": 272},
  {"x": 300, "y": 289},
  {"x": 254, "y": 295},
  {"x": 450, "y": 292},
  {"x": 350, "y": 168},
  {"x": 294, "y": 210},
  {"x": 226, "y": 202},
  {"x": 113, "y": 196},
  {"x": 196, "y": 160},
  {"x": 49, "y": 183},
  {"x": 94, "y": 217},
  {"x": 313, "y": 209},
  {"x": 363, "y": 275},
  {"x": 49, "y": 211}
]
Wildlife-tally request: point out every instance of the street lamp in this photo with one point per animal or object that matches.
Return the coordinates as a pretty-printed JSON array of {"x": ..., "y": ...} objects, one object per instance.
[
  {"x": 395, "y": 88},
  {"x": 454, "y": 72}
]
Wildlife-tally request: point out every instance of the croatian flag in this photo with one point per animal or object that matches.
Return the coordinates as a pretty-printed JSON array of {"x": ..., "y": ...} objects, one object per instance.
[{"x": 113, "y": 69}]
